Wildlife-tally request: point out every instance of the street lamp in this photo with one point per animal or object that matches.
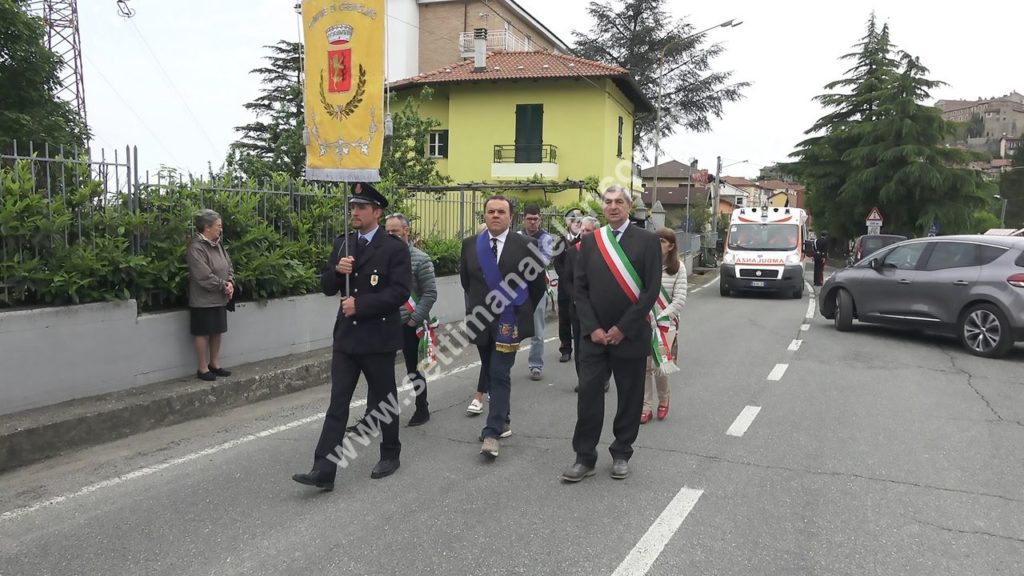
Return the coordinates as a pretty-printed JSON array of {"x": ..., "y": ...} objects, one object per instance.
[
  {"x": 1002, "y": 216},
  {"x": 731, "y": 23}
]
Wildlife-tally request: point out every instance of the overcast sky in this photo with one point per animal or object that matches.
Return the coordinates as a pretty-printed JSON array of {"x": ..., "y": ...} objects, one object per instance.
[{"x": 172, "y": 80}]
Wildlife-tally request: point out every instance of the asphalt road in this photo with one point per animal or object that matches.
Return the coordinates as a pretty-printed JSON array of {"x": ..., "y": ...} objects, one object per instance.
[{"x": 790, "y": 449}]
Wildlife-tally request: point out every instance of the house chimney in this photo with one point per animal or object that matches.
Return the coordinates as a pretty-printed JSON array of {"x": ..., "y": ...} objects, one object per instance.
[{"x": 480, "y": 47}]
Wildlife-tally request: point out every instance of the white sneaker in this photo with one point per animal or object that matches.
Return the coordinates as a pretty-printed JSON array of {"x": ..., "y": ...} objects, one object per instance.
[
  {"x": 475, "y": 407},
  {"x": 506, "y": 431}
]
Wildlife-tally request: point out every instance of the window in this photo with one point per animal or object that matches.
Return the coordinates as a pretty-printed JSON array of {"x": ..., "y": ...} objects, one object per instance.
[
  {"x": 951, "y": 255},
  {"x": 904, "y": 257},
  {"x": 621, "y": 124},
  {"x": 437, "y": 145}
]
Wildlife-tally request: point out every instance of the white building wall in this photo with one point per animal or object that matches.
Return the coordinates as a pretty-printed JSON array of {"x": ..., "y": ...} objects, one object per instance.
[{"x": 403, "y": 20}]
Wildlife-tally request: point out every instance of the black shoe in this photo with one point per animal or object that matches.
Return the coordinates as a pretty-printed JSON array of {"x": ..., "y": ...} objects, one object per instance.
[
  {"x": 385, "y": 468},
  {"x": 577, "y": 472},
  {"x": 566, "y": 356},
  {"x": 317, "y": 478},
  {"x": 620, "y": 468},
  {"x": 219, "y": 371},
  {"x": 209, "y": 376},
  {"x": 419, "y": 417},
  {"x": 357, "y": 424}
]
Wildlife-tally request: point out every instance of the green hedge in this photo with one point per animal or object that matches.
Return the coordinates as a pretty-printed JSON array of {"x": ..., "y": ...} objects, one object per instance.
[{"x": 87, "y": 245}]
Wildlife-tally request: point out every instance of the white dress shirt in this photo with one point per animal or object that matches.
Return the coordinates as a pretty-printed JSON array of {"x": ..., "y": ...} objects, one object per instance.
[{"x": 501, "y": 241}]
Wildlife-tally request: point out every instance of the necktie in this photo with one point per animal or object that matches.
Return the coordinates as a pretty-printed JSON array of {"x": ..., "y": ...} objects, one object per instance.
[
  {"x": 494, "y": 247},
  {"x": 363, "y": 241},
  {"x": 616, "y": 232}
]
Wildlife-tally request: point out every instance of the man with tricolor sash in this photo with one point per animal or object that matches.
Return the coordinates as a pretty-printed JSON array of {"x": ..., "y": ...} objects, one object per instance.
[{"x": 616, "y": 282}]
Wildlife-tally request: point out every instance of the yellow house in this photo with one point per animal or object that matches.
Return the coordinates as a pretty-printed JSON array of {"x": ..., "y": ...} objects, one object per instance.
[{"x": 530, "y": 114}]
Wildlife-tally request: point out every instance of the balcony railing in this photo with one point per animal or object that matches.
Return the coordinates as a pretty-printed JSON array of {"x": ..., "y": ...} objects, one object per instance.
[
  {"x": 497, "y": 41},
  {"x": 534, "y": 154}
]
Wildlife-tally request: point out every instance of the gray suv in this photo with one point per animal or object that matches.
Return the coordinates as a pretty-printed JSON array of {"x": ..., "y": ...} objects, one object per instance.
[{"x": 968, "y": 286}]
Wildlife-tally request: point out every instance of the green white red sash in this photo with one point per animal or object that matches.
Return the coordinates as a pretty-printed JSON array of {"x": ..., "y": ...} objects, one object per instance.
[
  {"x": 631, "y": 283},
  {"x": 427, "y": 333}
]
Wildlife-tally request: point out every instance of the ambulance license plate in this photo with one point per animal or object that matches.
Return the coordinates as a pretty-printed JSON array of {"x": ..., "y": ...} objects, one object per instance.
[{"x": 757, "y": 283}]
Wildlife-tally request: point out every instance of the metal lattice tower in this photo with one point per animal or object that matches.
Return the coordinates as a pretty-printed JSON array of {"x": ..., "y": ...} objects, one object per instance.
[{"x": 62, "y": 37}]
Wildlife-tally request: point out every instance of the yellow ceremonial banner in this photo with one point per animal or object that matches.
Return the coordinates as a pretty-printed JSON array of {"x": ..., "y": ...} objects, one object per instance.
[{"x": 344, "y": 89}]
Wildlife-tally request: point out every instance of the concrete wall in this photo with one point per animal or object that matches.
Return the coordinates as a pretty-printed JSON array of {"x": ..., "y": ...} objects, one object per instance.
[{"x": 51, "y": 355}]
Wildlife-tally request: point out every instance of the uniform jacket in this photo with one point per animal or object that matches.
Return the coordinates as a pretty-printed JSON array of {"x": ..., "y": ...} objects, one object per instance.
[
  {"x": 517, "y": 249},
  {"x": 602, "y": 303},
  {"x": 380, "y": 282}
]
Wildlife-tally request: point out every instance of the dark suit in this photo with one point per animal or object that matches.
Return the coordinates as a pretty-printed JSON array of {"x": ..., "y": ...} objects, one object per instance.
[
  {"x": 569, "y": 265},
  {"x": 820, "y": 256},
  {"x": 366, "y": 342},
  {"x": 566, "y": 336},
  {"x": 602, "y": 303},
  {"x": 495, "y": 366}
]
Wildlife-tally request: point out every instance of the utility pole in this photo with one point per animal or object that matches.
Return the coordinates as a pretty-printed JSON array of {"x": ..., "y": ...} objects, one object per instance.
[{"x": 715, "y": 203}]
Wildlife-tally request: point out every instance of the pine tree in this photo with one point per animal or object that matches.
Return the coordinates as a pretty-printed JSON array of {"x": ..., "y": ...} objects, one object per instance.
[
  {"x": 879, "y": 146},
  {"x": 273, "y": 142},
  {"x": 633, "y": 34}
]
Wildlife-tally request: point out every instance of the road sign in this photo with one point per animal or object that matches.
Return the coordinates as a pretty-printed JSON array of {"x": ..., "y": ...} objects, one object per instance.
[
  {"x": 934, "y": 230},
  {"x": 874, "y": 215}
]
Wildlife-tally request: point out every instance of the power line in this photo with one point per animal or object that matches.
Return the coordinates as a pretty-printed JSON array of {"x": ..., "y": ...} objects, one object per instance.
[
  {"x": 128, "y": 105},
  {"x": 174, "y": 87}
]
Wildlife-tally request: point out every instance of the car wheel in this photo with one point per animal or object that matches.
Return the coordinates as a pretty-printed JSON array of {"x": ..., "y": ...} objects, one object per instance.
[
  {"x": 844, "y": 311},
  {"x": 984, "y": 331},
  {"x": 722, "y": 289},
  {"x": 798, "y": 292}
]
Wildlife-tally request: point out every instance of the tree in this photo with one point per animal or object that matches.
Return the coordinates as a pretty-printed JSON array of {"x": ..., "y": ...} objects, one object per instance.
[
  {"x": 273, "y": 142},
  {"x": 30, "y": 111},
  {"x": 633, "y": 34},
  {"x": 879, "y": 146},
  {"x": 1011, "y": 189}
]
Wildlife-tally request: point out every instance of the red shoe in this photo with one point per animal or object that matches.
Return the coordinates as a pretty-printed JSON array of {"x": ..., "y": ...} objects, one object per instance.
[
  {"x": 645, "y": 416},
  {"x": 662, "y": 412}
]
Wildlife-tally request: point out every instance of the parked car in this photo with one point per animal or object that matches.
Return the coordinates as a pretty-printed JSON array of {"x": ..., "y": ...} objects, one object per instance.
[
  {"x": 968, "y": 286},
  {"x": 869, "y": 244}
]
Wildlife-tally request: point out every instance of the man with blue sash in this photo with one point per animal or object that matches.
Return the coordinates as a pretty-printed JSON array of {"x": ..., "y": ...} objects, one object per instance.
[{"x": 503, "y": 276}]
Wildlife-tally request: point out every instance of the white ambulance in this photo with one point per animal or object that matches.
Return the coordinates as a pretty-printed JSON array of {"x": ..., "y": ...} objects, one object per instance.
[{"x": 764, "y": 251}]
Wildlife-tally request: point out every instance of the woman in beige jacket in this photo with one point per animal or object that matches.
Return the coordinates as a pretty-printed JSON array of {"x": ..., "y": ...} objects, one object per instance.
[
  {"x": 211, "y": 284},
  {"x": 673, "y": 280}
]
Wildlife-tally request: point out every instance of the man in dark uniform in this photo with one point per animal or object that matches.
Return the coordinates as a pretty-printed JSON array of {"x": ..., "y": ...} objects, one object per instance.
[
  {"x": 367, "y": 334},
  {"x": 616, "y": 282},
  {"x": 566, "y": 336},
  {"x": 820, "y": 256}
]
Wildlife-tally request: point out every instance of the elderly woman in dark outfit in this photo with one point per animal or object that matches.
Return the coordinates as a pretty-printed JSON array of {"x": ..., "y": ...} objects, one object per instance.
[{"x": 211, "y": 284}]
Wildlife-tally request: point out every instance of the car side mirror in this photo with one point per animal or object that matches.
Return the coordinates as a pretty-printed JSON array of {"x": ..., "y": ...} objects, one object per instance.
[
  {"x": 808, "y": 246},
  {"x": 875, "y": 264}
]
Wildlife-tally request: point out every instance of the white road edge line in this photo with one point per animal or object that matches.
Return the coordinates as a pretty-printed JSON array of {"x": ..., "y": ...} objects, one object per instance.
[
  {"x": 710, "y": 282},
  {"x": 795, "y": 345},
  {"x": 647, "y": 550},
  {"x": 777, "y": 372},
  {"x": 149, "y": 470},
  {"x": 743, "y": 421}
]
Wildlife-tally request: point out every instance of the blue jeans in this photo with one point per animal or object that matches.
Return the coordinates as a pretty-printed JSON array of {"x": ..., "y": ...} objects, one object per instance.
[
  {"x": 537, "y": 342},
  {"x": 496, "y": 367}
]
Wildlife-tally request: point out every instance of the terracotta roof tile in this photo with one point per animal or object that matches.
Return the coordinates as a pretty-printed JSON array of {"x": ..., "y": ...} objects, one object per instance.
[{"x": 517, "y": 66}]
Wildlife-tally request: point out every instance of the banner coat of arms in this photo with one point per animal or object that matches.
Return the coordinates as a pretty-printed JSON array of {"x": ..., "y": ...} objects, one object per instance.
[{"x": 344, "y": 99}]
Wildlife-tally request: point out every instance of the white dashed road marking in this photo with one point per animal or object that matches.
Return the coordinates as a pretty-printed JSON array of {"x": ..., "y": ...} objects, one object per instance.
[
  {"x": 743, "y": 421},
  {"x": 795, "y": 345},
  {"x": 647, "y": 550},
  {"x": 777, "y": 372}
]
